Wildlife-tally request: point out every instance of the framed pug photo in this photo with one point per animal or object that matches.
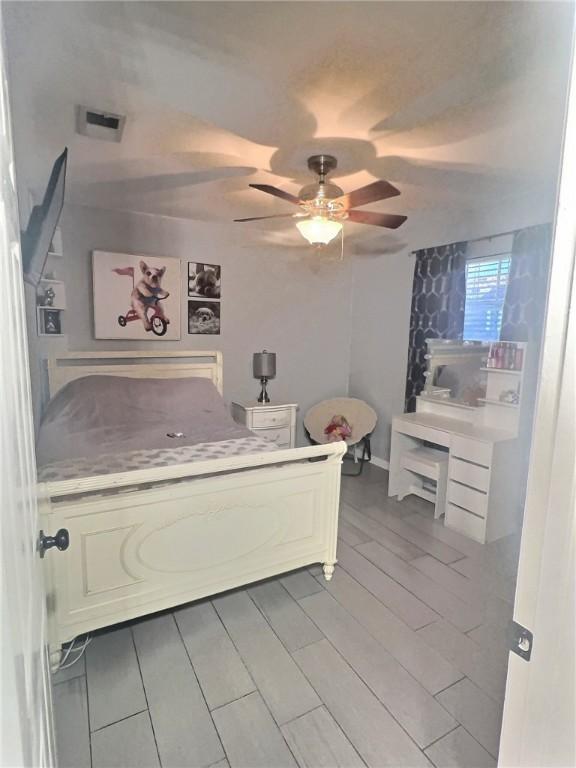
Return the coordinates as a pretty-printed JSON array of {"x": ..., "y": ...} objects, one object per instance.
[
  {"x": 204, "y": 280},
  {"x": 136, "y": 297},
  {"x": 204, "y": 317}
]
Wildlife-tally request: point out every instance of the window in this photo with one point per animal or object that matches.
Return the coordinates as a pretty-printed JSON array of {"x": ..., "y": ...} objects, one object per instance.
[{"x": 486, "y": 282}]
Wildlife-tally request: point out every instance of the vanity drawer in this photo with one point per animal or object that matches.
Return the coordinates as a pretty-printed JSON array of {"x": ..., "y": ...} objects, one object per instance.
[
  {"x": 465, "y": 523},
  {"x": 471, "y": 450},
  {"x": 469, "y": 498},
  {"x": 265, "y": 418},
  {"x": 469, "y": 474},
  {"x": 430, "y": 434},
  {"x": 280, "y": 436}
]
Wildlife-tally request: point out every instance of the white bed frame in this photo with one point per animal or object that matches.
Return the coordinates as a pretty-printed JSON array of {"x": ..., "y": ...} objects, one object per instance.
[{"x": 147, "y": 540}]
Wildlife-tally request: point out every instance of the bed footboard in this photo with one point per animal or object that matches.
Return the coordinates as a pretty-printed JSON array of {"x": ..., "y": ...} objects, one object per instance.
[{"x": 135, "y": 549}]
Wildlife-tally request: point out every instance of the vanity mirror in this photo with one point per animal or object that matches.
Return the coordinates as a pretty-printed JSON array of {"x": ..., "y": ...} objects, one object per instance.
[{"x": 454, "y": 371}]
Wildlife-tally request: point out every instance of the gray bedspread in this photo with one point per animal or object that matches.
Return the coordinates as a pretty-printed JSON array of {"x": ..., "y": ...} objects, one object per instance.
[
  {"x": 102, "y": 415},
  {"x": 152, "y": 458}
]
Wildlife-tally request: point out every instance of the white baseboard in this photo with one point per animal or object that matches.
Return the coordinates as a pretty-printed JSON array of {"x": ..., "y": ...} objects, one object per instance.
[{"x": 382, "y": 463}]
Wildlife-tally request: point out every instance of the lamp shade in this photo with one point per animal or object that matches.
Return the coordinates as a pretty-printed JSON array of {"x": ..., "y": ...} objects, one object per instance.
[
  {"x": 319, "y": 230},
  {"x": 264, "y": 364}
]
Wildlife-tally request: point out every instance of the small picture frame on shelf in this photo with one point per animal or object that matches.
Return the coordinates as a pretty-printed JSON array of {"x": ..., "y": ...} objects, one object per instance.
[{"x": 51, "y": 324}]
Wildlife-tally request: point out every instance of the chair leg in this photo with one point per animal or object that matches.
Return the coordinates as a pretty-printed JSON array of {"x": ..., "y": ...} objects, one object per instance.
[{"x": 366, "y": 456}]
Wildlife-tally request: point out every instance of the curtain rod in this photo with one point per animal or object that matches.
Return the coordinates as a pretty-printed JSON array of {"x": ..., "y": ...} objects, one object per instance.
[{"x": 473, "y": 239}]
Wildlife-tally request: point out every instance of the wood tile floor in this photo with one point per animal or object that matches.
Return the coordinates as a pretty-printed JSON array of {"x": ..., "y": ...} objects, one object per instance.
[{"x": 400, "y": 660}]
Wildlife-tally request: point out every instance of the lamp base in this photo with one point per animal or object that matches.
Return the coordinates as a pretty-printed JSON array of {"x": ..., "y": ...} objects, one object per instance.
[{"x": 263, "y": 397}]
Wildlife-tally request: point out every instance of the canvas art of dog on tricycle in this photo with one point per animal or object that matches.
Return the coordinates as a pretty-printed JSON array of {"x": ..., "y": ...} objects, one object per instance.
[{"x": 146, "y": 297}]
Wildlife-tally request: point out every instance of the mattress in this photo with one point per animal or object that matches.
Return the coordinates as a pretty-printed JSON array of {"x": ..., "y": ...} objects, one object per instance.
[{"x": 100, "y": 425}]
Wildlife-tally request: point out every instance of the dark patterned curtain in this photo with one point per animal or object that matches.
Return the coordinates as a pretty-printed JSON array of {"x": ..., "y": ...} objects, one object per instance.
[
  {"x": 438, "y": 299},
  {"x": 523, "y": 312},
  {"x": 523, "y": 320}
]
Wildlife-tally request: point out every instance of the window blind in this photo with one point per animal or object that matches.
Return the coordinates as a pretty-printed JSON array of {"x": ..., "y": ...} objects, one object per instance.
[{"x": 486, "y": 283}]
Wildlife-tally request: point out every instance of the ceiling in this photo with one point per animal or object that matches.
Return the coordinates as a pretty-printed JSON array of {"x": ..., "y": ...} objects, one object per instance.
[{"x": 459, "y": 104}]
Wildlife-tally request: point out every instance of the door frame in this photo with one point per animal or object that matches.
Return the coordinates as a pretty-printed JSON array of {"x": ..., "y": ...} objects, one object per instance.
[
  {"x": 26, "y": 722},
  {"x": 539, "y": 705}
]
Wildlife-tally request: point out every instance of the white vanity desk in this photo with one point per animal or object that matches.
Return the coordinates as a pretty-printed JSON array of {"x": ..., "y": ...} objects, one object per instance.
[
  {"x": 479, "y": 490},
  {"x": 482, "y": 501}
]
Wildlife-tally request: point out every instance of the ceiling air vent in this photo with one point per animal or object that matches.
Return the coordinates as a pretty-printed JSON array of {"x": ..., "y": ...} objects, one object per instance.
[{"x": 98, "y": 124}]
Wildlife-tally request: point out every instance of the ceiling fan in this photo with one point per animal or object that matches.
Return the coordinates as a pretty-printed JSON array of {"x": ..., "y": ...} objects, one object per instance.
[{"x": 324, "y": 206}]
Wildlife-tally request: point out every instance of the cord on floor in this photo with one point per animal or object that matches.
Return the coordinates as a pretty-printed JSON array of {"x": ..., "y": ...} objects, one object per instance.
[{"x": 72, "y": 649}]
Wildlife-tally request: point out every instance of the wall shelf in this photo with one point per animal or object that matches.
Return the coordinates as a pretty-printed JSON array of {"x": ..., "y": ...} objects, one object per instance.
[
  {"x": 447, "y": 401},
  {"x": 52, "y": 335},
  {"x": 514, "y": 372},
  {"x": 487, "y": 401}
]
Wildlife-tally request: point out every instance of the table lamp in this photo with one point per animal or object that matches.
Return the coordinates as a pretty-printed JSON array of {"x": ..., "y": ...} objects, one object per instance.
[{"x": 264, "y": 368}]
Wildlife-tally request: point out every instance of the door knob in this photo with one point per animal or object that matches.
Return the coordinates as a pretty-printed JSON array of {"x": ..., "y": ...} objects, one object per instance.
[{"x": 61, "y": 541}]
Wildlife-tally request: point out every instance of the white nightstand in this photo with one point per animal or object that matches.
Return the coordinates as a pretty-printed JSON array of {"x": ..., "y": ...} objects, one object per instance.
[{"x": 276, "y": 421}]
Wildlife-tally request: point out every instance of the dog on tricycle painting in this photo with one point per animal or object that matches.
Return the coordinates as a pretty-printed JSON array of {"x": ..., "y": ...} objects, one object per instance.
[
  {"x": 146, "y": 297},
  {"x": 140, "y": 296}
]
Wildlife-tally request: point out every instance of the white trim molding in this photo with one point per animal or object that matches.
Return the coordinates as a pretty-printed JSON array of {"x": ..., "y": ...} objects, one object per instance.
[{"x": 378, "y": 462}]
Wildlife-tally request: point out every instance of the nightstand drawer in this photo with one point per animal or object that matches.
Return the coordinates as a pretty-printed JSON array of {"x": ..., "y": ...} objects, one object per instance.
[
  {"x": 280, "y": 436},
  {"x": 275, "y": 421},
  {"x": 264, "y": 418}
]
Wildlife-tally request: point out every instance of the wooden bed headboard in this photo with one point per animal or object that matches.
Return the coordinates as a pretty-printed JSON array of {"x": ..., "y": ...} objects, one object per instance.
[{"x": 138, "y": 365}]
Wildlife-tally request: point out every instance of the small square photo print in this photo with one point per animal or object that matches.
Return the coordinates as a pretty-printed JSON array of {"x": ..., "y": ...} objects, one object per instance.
[
  {"x": 204, "y": 280},
  {"x": 204, "y": 317},
  {"x": 52, "y": 324}
]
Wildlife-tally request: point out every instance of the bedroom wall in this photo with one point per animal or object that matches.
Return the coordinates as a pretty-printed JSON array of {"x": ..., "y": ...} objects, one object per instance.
[
  {"x": 291, "y": 305},
  {"x": 337, "y": 327},
  {"x": 382, "y": 294}
]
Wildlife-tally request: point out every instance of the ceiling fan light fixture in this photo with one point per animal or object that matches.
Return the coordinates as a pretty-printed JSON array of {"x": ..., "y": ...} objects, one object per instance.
[
  {"x": 319, "y": 230},
  {"x": 325, "y": 206}
]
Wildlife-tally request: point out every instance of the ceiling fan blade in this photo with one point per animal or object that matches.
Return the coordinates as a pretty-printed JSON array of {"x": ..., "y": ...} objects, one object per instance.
[
  {"x": 270, "y": 190},
  {"x": 275, "y": 216},
  {"x": 390, "y": 220},
  {"x": 378, "y": 190}
]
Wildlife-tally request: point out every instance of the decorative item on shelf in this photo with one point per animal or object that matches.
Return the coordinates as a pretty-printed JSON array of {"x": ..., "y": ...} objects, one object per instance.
[
  {"x": 511, "y": 396},
  {"x": 47, "y": 300},
  {"x": 505, "y": 355},
  {"x": 264, "y": 368}
]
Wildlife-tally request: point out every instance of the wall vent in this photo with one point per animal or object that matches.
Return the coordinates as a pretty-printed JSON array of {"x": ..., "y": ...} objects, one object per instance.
[{"x": 98, "y": 124}]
